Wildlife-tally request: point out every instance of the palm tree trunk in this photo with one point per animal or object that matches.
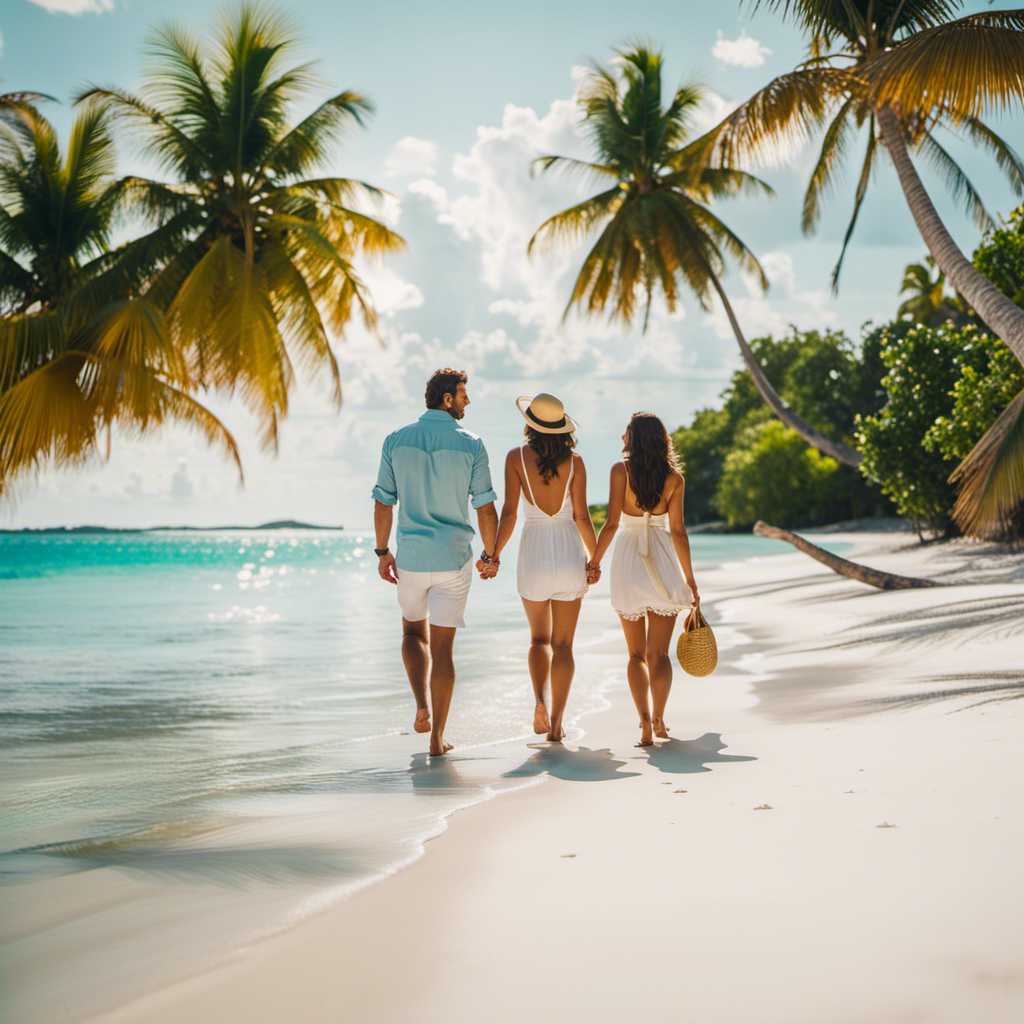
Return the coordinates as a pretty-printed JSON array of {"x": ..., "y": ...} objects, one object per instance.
[
  {"x": 836, "y": 449},
  {"x": 1002, "y": 315},
  {"x": 855, "y": 571}
]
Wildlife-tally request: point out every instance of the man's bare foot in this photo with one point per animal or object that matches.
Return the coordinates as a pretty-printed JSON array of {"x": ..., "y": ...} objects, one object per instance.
[
  {"x": 422, "y": 723},
  {"x": 437, "y": 749},
  {"x": 660, "y": 728},
  {"x": 556, "y": 736},
  {"x": 646, "y": 740},
  {"x": 541, "y": 722}
]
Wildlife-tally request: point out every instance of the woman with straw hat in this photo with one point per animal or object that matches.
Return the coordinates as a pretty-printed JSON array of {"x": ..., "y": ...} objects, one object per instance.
[
  {"x": 647, "y": 588},
  {"x": 552, "y": 575}
]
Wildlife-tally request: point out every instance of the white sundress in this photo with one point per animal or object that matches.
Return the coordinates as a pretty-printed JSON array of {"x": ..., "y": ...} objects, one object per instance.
[
  {"x": 645, "y": 576},
  {"x": 552, "y": 561}
]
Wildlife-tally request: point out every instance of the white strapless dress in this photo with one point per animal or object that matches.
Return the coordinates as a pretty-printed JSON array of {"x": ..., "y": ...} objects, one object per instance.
[
  {"x": 645, "y": 576},
  {"x": 552, "y": 559}
]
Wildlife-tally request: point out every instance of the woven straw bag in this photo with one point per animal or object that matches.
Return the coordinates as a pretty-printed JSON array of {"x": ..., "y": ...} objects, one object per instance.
[{"x": 696, "y": 648}]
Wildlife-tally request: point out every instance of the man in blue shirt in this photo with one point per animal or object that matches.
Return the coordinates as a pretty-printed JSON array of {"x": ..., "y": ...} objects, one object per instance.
[{"x": 431, "y": 469}]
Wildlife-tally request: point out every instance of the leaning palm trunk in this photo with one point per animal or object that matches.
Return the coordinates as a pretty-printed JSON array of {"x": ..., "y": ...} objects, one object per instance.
[
  {"x": 836, "y": 449},
  {"x": 991, "y": 478},
  {"x": 1004, "y": 317},
  {"x": 855, "y": 571}
]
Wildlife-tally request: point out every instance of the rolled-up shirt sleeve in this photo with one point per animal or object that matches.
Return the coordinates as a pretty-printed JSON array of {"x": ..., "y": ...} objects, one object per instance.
[
  {"x": 385, "y": 490},
  {"x": 480, "y": 486}
]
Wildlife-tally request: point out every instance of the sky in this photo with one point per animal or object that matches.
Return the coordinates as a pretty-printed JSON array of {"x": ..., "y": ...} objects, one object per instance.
[{"x": 466, "y": 95}]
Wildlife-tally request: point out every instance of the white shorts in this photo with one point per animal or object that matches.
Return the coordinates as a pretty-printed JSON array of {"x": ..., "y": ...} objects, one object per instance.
[{"x": 439, "y": 596}]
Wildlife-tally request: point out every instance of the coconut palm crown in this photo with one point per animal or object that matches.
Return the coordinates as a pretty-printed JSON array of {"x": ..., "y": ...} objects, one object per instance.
[
  {"x": 255, "y": 247},
  {"x": 832, "y": 92},
  {"x": 75, "y": 359},
  {"x": 657, "y": 228}
]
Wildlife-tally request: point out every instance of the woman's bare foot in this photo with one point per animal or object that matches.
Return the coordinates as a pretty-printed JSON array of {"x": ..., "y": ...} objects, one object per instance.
[
  {"x": 556, "y": 735},
  {"x": 541, "y": 722},
  {"x": 422, "y": 723},
  {"x": 646, "y": 740},
  {"x": 439, "y": 748},
  {"x": 660, "y": 728}
]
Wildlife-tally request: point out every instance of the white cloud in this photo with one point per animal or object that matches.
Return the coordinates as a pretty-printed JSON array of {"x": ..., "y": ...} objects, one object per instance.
[
  {"x": 1, "y": 44},
  {"x": 390, "y": 293},
  {"x": 182, "y": 489},
  {"x": 411, "y": 156},
  {"x": 75, "y": 6},
  {"x": 744, "y": 52},
  {"x": 778, "y": 267}
]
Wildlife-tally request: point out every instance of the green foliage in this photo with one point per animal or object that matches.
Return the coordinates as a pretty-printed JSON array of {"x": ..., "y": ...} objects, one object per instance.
[
  {"x": 598, "y": 514},
  {"x": 774, "y": 475},
  {"x": 979, "y": 396},
  {"x": 825, "y": 380},
  {"x": 1000, "y": 257},
  {"x": 909, "y": 446}
]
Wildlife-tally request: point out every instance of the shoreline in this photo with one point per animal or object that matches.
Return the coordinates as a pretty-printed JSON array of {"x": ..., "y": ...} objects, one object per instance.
[{"x": 910, "y": 856}]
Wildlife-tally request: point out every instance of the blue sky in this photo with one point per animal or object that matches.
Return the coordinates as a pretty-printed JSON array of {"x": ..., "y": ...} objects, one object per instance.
[{"x": 465, "y": 95}]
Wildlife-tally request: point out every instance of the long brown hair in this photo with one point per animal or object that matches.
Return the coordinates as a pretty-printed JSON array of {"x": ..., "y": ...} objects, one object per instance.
[
  {"x": 550, "y": 449},
  {"x": 650, "y": 458}
]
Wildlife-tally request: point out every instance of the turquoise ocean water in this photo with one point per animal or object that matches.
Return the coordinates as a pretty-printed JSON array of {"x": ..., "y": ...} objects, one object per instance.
[{"x": 206, "y": 737}]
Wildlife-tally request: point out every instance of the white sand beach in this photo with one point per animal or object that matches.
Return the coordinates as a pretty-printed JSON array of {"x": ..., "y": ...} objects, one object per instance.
[{"x": 833, "y": 835}]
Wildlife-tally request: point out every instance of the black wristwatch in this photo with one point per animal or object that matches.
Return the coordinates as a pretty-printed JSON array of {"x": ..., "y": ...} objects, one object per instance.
[
  {"x": 486, "y": 558},
  {"x": 381, "y": 552}
]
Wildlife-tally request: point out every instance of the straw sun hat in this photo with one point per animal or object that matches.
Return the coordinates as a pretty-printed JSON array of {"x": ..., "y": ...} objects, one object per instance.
[{"x": 546, "y": 414}]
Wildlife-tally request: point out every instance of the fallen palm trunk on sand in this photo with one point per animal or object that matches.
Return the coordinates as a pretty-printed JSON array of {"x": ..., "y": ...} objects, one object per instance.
[{"x": 861, "y": 573}]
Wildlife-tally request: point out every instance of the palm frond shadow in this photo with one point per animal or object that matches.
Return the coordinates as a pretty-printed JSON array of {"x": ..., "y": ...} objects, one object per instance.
[{"x": 1010, "y": 688}]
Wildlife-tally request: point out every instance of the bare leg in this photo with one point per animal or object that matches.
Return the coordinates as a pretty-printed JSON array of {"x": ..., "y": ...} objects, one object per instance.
[
  {"x": 538, "y": 615},
  {"x": 416, "y": 657},
  {"x": 442, "y": 682},
  {"x": 659, "y": 664},
  {"x": 564, "y": 616},
  {"x": 636, "y": 675}
]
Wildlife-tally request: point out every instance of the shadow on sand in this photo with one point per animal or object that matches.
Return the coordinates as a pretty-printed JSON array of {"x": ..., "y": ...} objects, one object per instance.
[
  {"x": 582, "y": 765},
  {"x": 683, "y": 757}
]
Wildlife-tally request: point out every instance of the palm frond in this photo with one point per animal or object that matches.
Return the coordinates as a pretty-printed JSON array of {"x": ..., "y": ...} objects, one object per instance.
[
  {"x": 786, "y": 111},
  {"x": 955, "y": 180},
  {"x": 309, "y": 142},
  {"x": 991, "y": 477},
  {"x": 573, "y": 169},
  {"x": 858, "y": 200},
  {"x": 834, "y": 145},
  {"x": 576, "y": 222},
  {"x": 1006, "y": 157},
  {"x": 961, "y": 68}
]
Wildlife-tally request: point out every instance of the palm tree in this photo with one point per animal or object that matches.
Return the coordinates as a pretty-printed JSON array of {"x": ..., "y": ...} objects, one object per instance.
[
  {"x": 927, "y": 302},
  {"x": 953, "y": 72},
  {"x": 77, "y": 355},
  {"x": 656, "y": 226},
  {"x": 894, "y": 66},
  {"x": 255, "y": 255}
]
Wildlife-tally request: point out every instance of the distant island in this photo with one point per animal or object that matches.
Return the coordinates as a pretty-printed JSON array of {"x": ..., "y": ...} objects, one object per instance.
[{"x": 277, "y": 524}]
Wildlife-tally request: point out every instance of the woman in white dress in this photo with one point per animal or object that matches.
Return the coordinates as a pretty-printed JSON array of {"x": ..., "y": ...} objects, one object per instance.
[
  {"x": 648, "y": 590},
  {"x": 552, "y": 575}
]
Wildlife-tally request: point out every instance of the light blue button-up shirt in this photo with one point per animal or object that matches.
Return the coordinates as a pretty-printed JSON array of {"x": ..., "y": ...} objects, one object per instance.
[{"x": 430, "y": 469}]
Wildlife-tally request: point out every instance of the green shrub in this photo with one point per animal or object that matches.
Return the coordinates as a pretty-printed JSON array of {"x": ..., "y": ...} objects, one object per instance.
[
  {"x": 776, "y": 476},
  {"x": 979, "y": 396},
  {"x": 924, "y": 366},
  {"x": 1000, "y": 257}
]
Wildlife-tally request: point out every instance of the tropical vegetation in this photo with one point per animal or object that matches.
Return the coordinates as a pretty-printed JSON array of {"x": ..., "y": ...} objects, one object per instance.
[
  {"x": 656, "y": 227},
  {"x": 241, "y": 265}
]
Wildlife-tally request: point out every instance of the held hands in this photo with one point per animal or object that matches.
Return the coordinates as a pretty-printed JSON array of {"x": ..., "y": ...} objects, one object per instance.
[
  {"x": 488, "y": 570},
  {"x": 593, "y": 573},
  {"x": 387, "y": 569}
]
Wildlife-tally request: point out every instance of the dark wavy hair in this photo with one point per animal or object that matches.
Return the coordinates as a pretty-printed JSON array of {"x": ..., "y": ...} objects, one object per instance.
[
  {"x": 443, "y": 382},
  {"x": 550, "y": 449},
  {"x": 650, "y": 458}
]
